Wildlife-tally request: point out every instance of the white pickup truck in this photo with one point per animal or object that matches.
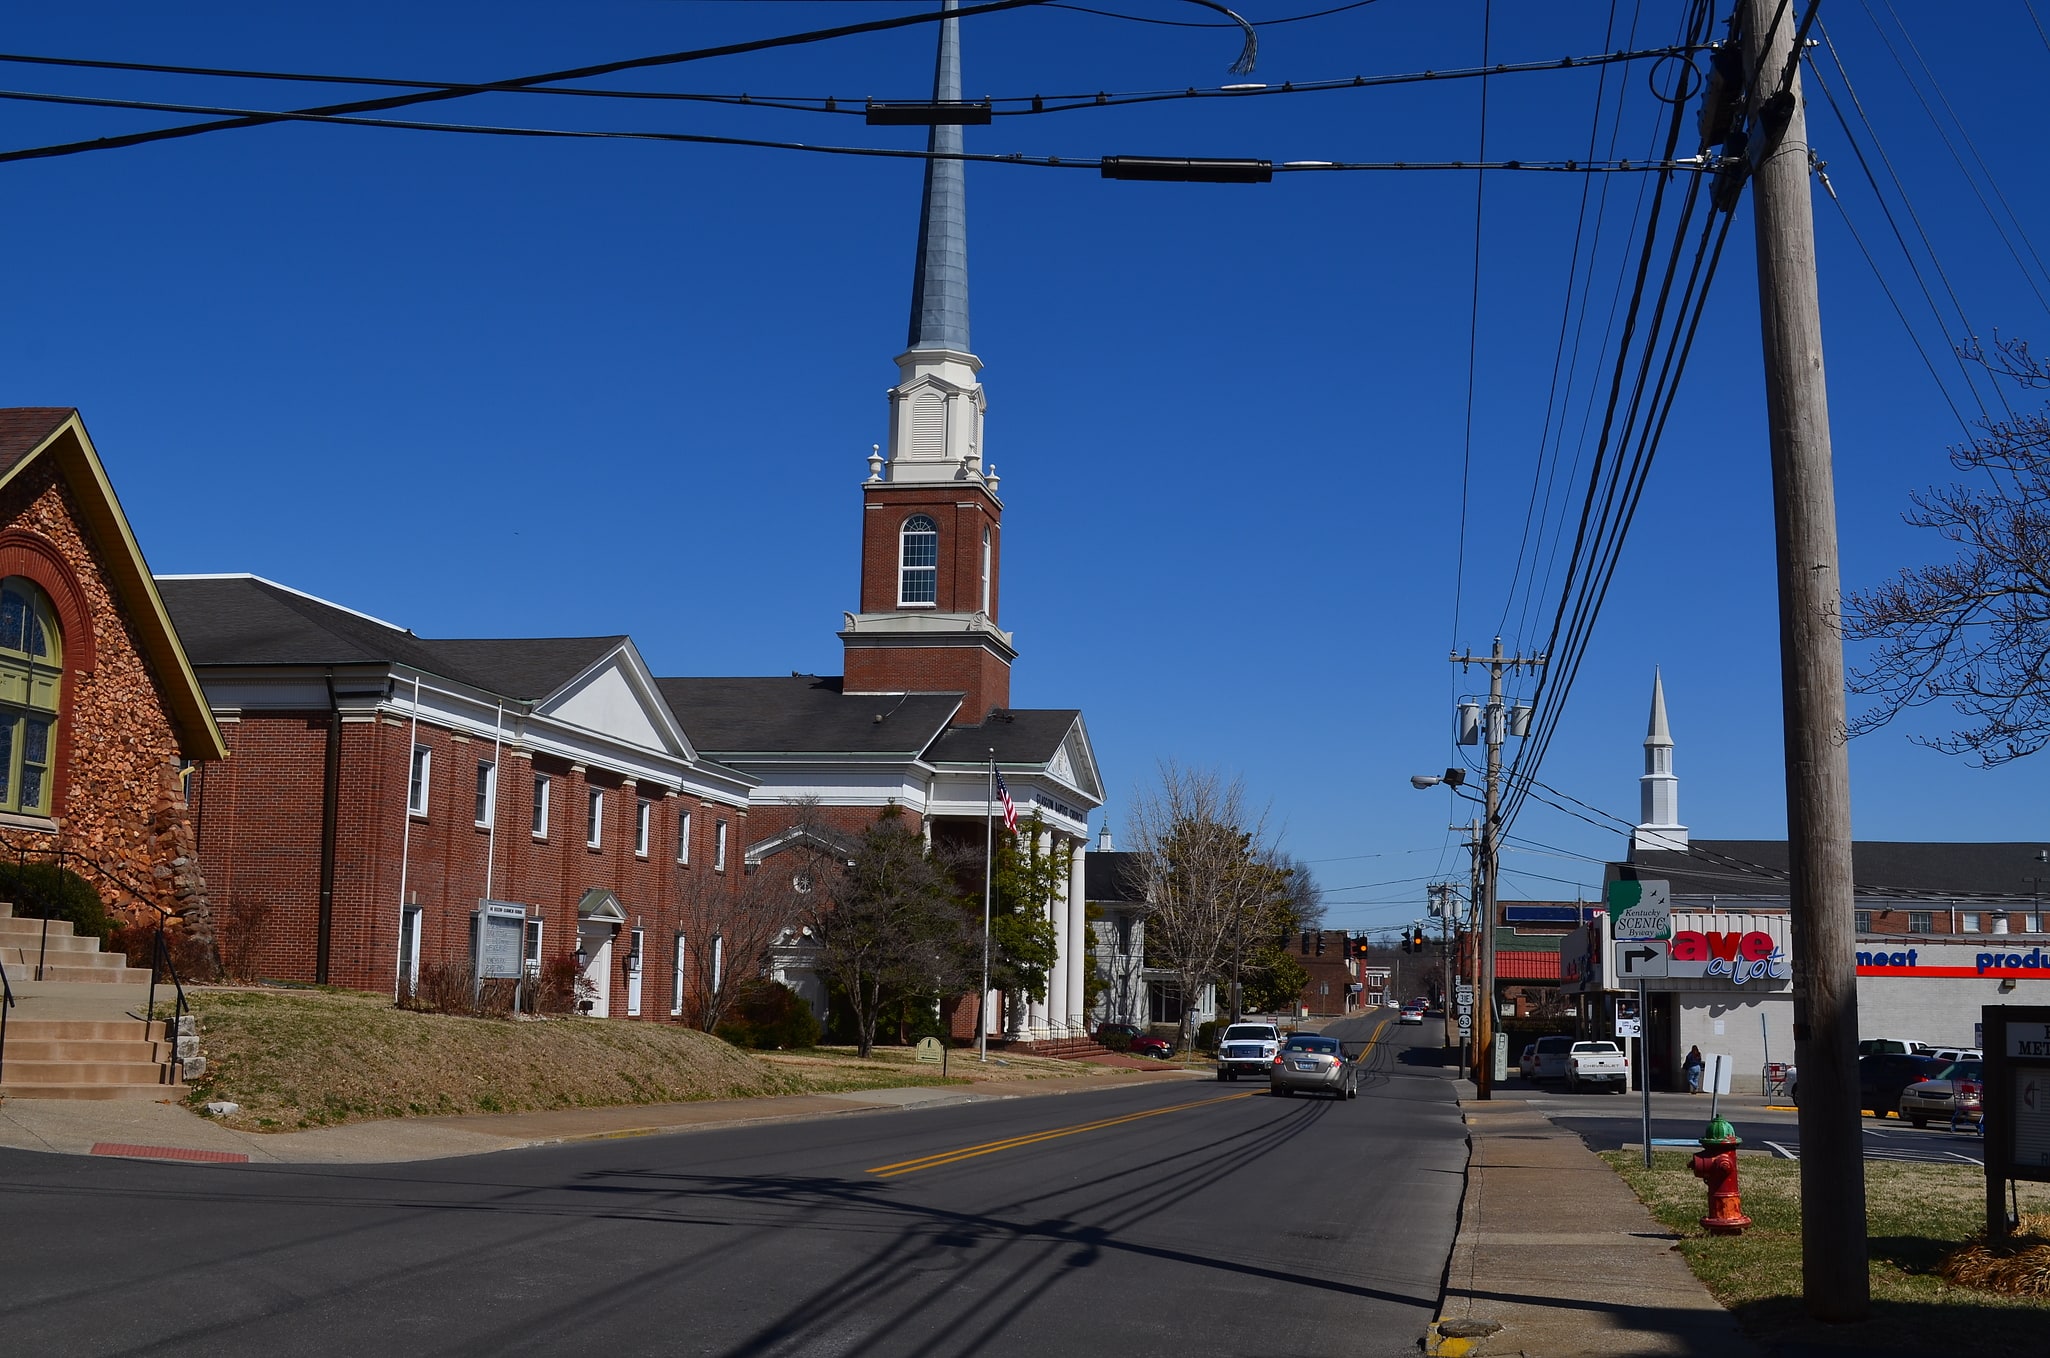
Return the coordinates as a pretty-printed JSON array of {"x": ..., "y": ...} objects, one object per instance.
[{"x": 1595, "y": 1063}]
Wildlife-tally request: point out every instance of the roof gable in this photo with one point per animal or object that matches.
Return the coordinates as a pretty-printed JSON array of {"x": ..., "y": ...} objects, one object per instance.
[
  {"x": 617, "y": 697},
  {"x": 32, "y": 434}
]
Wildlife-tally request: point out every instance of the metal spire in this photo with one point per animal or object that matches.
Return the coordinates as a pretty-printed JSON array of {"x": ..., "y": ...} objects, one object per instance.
[{"x": 939, "y": 286}]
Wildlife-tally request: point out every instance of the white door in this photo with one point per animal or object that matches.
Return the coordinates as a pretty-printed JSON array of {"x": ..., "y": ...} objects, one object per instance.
[
  {"x": 633, "y": 977},
  {"x": 598, "y": 969}
]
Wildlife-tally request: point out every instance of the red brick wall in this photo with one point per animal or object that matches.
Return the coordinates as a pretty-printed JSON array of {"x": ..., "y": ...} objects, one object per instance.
[
  {"x": 962, "y": 511},
  {"x": 984, "y": 678},
  {"x": 116, "y": 801},
  {"x": 259, "y": 818}
]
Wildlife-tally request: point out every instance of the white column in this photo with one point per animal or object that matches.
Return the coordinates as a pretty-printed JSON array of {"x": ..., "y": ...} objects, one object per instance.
[
  {"x": 1039, "y": 1013},
  {"x": 1080, "y": 935},
  {"x": 1056, "y": 975}
]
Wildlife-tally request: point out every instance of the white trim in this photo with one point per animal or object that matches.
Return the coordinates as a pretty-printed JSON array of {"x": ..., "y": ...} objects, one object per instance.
[
  {"x": 904, "y": 531},
  {"x": 594, "y": 817},
  {"x": 487, "y": 793},
  {"x": 643, "y": 817},
  {"x": 544, "y": 785},
  {"x": 683, "y": 824}
]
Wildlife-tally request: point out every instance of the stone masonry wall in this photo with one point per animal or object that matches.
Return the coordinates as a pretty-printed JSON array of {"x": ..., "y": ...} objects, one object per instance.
[{"x": 119, "y": 811}]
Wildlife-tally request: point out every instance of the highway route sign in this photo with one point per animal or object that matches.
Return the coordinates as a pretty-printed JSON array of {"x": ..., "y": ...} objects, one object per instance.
[
  {"x": 1640, "y": 910},
  {"x": 1465, "y": 1021},
  {"x": 1640, "y": 959}
]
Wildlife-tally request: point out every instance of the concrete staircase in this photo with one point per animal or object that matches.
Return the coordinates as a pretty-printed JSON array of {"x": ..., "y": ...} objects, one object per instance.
[
  {"x": 77, "y": 1031},
  {"x": 1062, "y": 1048}
]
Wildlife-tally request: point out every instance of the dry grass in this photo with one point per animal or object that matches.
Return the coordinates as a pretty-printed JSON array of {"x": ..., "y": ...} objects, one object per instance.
[
  {"x": 2017, "y": 1267},
  {"x": 1916, "y": 1215},
  {"x": 313, "y": 1058}
]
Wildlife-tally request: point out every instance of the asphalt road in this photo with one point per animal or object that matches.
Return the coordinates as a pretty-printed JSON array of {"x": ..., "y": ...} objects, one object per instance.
[
  {"x": 1161, "y": 1219},
  {"x": 1607, "y": 1121}
]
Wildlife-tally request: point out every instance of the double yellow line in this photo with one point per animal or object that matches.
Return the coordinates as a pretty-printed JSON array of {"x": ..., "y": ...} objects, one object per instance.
[{"x": 1033, "y": 1138}]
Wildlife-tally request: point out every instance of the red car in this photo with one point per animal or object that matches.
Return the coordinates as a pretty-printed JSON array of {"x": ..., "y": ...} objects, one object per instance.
[{"x": 1126, "y": 1037}]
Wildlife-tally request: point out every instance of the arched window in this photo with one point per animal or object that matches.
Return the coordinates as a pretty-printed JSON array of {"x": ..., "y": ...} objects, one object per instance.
[
  {"x": 918, "y": 576},
  {"x": 31, "y": 677}
]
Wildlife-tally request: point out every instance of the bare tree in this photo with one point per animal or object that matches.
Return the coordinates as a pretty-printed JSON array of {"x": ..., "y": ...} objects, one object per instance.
[
  {"x": 729, "y": 924},
  {"x": 1974, "y": 630},
  {"x": 1200, "y": 855},
  {"x": 892, "y": 926}
]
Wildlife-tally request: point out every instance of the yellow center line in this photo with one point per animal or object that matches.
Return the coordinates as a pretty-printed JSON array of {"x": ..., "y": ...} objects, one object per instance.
[{"x": 1011, "y": 1143}]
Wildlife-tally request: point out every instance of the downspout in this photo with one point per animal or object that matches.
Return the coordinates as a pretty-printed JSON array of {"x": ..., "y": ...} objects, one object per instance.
[
  {"x": 406, "y": 836},
  {"x": 330, "y": 814},
  {"x": 491, "y": 834}
]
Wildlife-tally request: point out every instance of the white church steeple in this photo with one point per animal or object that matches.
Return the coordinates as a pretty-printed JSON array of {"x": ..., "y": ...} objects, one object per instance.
[{"x": 1659, "y": 789}]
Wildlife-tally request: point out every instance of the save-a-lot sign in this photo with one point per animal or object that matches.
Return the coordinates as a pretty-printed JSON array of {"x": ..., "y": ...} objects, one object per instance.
[{"x": 1743, "y": 950}]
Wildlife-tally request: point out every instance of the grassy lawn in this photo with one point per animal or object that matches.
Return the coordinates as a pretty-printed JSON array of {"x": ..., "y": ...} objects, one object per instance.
[
  {"x": 311, "y": 1058},
  {"x": 1915, "y": 1214}
]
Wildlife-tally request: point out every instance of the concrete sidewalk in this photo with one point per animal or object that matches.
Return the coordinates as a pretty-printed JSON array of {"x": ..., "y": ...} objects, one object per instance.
[
  {"x": 1558, "y": 1256},
  {"x": 172, "y": 1132}
]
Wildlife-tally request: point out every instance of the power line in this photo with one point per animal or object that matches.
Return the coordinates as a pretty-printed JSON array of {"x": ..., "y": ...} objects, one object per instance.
[
  {"x": 1085, "y": 162},
  {"x": 253, "y": 119},
  {"x": 1473, "y": 330}
]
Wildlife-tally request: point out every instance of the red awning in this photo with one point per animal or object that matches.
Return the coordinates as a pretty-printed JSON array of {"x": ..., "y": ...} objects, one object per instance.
[{"x": 1526, "y": 966}]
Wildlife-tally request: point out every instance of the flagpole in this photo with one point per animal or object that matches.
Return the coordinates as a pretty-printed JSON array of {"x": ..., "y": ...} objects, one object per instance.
[{"x": 989, "y": 854}]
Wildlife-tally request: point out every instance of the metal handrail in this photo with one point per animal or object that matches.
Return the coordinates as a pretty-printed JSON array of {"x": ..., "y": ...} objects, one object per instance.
[
  {"x": 160, "y": 954},
  {"x": 6, "y": 1003}
]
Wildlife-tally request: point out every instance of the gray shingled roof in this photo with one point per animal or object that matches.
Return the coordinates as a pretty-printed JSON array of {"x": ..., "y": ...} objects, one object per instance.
[
  {"x": 1113, "y": 877},
  {"x": 1881, "y": 869},
  {"x": 1018, "y": 735},
  {"x": 243, "y": 620},
  {"x": 804, "y": 714}
]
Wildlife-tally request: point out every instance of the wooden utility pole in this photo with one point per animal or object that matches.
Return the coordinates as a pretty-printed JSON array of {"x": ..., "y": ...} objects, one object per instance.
[
  {"x": 1835, "y": 1282},
  {"x": 1494, "y": 727}
]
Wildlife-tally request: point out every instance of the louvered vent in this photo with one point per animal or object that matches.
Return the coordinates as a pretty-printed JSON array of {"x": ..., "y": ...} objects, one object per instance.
[{"x": 929, "y": 427}]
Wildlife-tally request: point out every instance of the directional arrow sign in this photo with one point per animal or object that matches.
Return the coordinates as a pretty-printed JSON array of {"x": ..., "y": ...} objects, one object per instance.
[{"x": 1638, "y": 960}]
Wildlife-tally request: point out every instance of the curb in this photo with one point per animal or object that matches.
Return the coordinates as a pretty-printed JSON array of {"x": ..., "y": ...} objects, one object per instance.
[{"x": 1451, "y": 1338}]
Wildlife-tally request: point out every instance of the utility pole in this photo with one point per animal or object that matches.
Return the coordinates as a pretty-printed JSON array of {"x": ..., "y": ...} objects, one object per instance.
[
  {"x": 1441, "y": 906},
  {"x": 1836, "y": 1284},
  {"x": 1493, "y": 728}
]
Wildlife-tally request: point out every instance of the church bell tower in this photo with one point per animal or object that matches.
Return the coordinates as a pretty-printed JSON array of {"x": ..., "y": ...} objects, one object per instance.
[{"x": 932, "y": 530}]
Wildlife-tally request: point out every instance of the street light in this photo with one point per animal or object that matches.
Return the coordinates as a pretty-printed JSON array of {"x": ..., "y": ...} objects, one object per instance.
[{"x": 1449, "y": 778}]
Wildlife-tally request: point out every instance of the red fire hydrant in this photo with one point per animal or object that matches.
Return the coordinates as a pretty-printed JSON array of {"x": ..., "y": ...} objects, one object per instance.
[{"x": 1716, "y": 1166}]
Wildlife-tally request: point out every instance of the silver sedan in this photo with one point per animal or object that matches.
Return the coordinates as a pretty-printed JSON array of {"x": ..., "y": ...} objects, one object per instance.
[{"x": 1310, "y": 1062}]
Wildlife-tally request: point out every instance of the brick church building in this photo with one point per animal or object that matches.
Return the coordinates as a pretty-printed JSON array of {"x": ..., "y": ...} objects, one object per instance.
[
  {"x": 387, "y": 791},
  {"x": 99, "y": 709}
]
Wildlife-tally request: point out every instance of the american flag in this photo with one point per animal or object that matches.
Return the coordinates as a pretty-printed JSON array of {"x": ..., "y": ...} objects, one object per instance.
[{"x": 1010, "y": 810}]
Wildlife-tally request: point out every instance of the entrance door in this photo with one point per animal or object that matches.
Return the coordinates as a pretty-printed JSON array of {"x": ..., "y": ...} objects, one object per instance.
[
  {"x": 597, "y": 945},
  {"x": 633, "y": 976}
]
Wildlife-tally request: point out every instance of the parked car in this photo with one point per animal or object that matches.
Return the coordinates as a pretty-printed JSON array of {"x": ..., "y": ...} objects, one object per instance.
[
  {"x": 1596, "y": 1063},
  {"x": 1309, "y": 1062},
  {"x": 1411, "y": 1015},
  {"x": 1882, "y": 1076},
  {"x": 1955, "y": 1094},
  {"x": 1957, "y": 1054},
  {"x": 1247, "y": 1049},
  {"x": 1548, "y": 1061},
  {"x": 1526, "y": 1064},
  {"x": 1893, "y": 1046},
  {"x": 1128, "y": 1037}
]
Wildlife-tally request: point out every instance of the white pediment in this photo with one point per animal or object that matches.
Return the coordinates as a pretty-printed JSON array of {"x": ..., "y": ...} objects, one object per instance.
[
  {"x": 615, "y": 699},
  {"x": 1074, "y": 763}
]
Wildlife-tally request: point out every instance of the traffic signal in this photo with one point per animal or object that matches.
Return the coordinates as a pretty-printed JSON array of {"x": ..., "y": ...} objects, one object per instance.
[
  {"x": 1416, "y": 938},
  {"x": 1359, "y": 946},
  {"x": 1320, "y": 943}
]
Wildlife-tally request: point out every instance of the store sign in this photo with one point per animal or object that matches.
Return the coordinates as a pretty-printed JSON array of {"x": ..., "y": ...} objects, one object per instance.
[
  {"x": 1951, "y": 961},
  {"x": 1738, "y": 957}
]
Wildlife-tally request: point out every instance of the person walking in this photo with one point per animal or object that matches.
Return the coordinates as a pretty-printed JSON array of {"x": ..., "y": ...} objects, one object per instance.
[{"x": 1693, "y": 1067}]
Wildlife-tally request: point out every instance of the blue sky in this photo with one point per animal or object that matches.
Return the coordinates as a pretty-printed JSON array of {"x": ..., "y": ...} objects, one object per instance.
[{"x": 496, "y": 386}]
